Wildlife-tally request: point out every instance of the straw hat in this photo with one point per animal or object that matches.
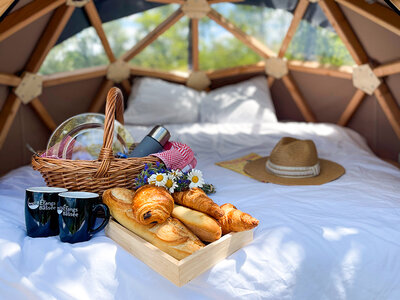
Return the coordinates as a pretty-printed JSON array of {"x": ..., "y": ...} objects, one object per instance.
[{"x": 294, "y": 162}]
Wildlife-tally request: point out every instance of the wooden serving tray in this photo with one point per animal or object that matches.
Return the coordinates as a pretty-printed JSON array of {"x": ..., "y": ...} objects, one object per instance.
[{"x": 182, "y": 271}]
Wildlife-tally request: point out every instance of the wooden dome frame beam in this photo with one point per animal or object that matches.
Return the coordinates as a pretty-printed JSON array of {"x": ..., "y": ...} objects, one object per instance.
[
  {"x": 382, "y": 93},
  {"x": 153, "y": 35},
  {"x": 47, "y": 40},
  {"x": 311, "y": 67},
  {"x": 95, "y": 20},
  {"x": 36, "y": 9},
  {"x": 298, "y": 14},
  {"x": 194, "y": 25},
  {"x": 266, "y": 53},
  {"x": 375, "y": 12},
  {"x": 20, "y": 19},
  {"x": 251, "y": 42},
  {"x": 4, "y": 6},
  {"x": 26, "y": 15},
  {"x": 72, "y": 76},
  {"x": 9, "y": 79},
  {"x": 388, "y": 69},
  {"x": 98, "y": 100},
  {"x": 97, "y": 24}
]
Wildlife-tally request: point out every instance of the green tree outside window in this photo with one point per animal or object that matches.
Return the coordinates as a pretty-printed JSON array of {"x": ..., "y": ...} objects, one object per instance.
[{"x": 218, "y": 48}]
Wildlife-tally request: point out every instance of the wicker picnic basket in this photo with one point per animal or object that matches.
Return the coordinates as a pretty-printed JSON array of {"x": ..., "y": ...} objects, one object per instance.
[{"x": 95, "y": 175}]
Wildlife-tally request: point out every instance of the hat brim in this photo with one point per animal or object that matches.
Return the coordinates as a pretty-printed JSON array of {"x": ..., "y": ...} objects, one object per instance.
[{"x": 329, "y": 172}]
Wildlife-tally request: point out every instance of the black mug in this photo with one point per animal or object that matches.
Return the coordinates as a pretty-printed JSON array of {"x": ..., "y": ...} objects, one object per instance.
[
  {"x": 78, "y": 212},
  {"x": 41, "y": 218}
]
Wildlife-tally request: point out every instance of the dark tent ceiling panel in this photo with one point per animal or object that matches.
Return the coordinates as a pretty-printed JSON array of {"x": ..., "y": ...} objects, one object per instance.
[
  {"x": 108, "y": 10},
  {"x": 111, "y": 10}
]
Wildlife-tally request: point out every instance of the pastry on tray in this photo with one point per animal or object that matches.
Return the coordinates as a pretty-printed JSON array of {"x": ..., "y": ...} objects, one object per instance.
[
  {"x": 235, "y": 220},
  {"x": 195, "y": 198},
  {"x": 152, "y": 204},
  {"x": 170, "y": 236},
  {"x": 202, "y": 225}
]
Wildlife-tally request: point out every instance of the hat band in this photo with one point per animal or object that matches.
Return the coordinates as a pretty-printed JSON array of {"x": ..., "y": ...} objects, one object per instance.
[{"x": 293, "y": 172}]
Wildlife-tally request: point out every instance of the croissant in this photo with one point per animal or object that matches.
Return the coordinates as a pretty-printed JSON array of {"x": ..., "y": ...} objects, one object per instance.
[
  {"x": 235, "y": 220},
  {"x": 196, "y": 198},
  {"x": 152, "y": 204}
]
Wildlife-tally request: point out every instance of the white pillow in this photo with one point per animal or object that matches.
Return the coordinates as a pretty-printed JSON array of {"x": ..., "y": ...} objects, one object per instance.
[
  {"x": 155, "y": 101},
  {"x": 245, "y": 102}
]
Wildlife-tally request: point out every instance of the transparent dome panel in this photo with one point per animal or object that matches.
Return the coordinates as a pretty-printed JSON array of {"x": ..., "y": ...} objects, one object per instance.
[
  {"x": 79, "y": 51},
  {"x": 314, "y": 43},
  {"x": 268, "y": 25},
  {"x": 170, "y": 50},
  {"x": 220, "y": 49},
  {"x": 124, "y": 33}
]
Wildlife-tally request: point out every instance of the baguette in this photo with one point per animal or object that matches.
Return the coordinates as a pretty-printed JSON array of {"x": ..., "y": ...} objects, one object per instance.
[
  {"x": 205, "y": 227},
  {"x": 124, "y": 197},
  {"x": 172, "y": 236}
]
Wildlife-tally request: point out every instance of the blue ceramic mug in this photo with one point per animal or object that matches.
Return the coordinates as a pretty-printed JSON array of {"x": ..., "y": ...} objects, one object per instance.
[
  {"x": 41, "y": 218},
  {"x": 77, "y": 214}
]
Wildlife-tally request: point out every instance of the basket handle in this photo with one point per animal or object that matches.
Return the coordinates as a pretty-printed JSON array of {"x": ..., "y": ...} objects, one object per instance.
[{"x": 114, "y": 106}]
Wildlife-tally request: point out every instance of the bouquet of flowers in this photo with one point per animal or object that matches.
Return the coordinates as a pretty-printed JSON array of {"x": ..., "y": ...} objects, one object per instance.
[{"x": 173, "y": 180}]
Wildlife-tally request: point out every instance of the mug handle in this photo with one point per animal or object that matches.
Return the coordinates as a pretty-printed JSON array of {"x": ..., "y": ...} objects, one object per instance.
[{"x": 106, "y": 217}]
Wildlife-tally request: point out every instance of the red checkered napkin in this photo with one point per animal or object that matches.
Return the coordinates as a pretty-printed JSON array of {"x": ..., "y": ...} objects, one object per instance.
[{"x": 177, "y": 156}]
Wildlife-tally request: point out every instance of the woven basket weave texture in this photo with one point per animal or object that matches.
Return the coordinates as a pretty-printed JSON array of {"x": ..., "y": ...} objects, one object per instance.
[{"x": 95, "y": 175}]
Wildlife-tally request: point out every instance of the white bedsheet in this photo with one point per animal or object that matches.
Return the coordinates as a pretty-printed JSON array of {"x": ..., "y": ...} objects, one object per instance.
[{"x": 340, "y": 240}]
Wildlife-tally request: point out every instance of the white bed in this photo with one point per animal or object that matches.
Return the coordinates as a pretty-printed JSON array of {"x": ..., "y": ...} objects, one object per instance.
[{"x": 340, "y": 240}]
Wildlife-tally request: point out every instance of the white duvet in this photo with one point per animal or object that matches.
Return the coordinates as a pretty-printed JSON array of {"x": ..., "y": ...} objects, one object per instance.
[{"x": 340, "y": 240}]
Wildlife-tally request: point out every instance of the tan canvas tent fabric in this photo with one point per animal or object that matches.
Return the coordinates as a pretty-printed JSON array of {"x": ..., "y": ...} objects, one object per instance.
[{"x": 32, "y": 106}]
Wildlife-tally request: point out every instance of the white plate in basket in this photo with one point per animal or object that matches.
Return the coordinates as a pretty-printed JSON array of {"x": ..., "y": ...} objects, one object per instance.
[{"x": 81, "y": 137}]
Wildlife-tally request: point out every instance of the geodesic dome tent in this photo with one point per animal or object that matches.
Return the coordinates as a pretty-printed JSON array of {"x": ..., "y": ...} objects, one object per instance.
[
  {"x": 276, "y": 103},
  {"x": 359, "y": 91}
]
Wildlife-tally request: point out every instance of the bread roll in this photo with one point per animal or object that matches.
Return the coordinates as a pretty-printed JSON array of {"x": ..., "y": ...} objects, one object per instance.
[
  {"x": 205, "y": 227},
  {"x": 235, "y": 220},
  {"x": 123, "y": 196},
  {"x": 152, "y": 204},
  {"x": 172, "y": 236}
]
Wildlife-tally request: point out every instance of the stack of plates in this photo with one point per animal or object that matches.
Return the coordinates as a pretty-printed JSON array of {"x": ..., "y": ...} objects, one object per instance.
[{"x": 81, "y": 137}]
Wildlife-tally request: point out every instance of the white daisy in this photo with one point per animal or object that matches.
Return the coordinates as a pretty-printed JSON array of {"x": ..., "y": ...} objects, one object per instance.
[
  {"x": 159, "y": 179},
  {"x": 171, "y": 185},
  {"x": 196, "y": 178},
  {"x": 176, "y": 173}
]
